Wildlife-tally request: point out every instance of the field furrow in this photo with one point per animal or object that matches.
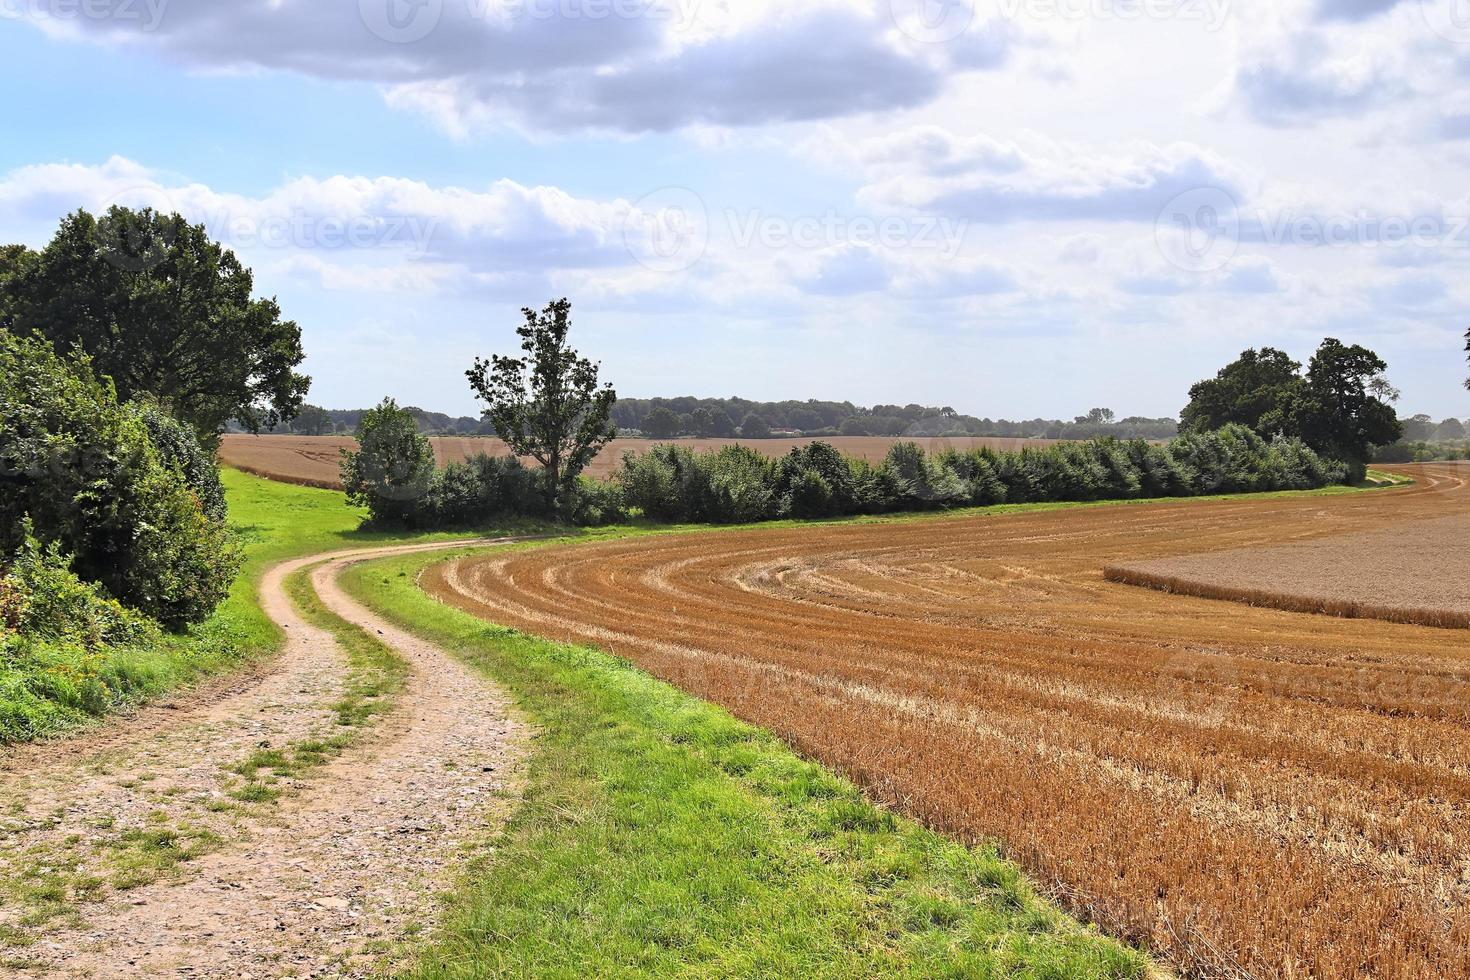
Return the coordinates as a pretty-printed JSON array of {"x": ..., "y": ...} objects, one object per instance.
[{"x": 1250, "y": 791}]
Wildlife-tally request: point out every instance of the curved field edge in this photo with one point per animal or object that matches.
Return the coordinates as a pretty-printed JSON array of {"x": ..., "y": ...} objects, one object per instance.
[
  {"x": 661, "y": 836},
  {"x": 1286, "y": 601},
  {"x": 277, "y": 521}
]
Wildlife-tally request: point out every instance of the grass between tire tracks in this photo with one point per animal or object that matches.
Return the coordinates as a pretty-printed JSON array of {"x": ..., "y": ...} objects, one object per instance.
[{"x": 661, "y": 836}]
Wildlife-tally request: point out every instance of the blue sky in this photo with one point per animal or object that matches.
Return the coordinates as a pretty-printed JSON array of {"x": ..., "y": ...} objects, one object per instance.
[{"x": 1015, "y": 207}]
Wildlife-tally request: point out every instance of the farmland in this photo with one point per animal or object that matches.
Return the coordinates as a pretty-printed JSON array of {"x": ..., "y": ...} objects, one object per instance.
[
  {"x": 1249, "y": 791},
  {"x": 1377, "y": 575},
  {"x": 313, "y": 460}
]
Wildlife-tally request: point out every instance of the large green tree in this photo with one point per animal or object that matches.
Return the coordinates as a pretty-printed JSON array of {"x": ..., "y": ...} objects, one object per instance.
[
  {"x": 547, "y": 404},
  {"x": 1340, "y": 407},
  {"x": 161, "y": 309},
  {"x": 1253, "y": 390},
  {"x": 1343, "y": 407}
]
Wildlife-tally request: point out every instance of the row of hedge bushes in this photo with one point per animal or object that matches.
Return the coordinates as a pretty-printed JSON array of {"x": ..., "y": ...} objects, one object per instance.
[{"x": 737, "y": 484}]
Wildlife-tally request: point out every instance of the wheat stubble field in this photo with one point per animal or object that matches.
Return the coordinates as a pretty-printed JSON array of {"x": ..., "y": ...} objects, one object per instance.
[
  {"x": 315, "y": 461},
  {"x": 1250, "y": 792}
]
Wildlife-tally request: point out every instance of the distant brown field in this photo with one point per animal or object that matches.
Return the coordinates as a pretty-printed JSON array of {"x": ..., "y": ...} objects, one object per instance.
[
  {"x": 312, "y": 460},
  {"x": 1247, "y": 791}
]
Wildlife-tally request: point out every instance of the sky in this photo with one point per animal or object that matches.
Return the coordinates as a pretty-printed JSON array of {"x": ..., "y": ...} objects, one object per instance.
[{"x": 1016, "y": 208}]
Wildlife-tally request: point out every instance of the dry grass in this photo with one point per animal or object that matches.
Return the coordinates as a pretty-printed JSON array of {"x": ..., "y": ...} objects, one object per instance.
[
  {"x": 1248, "y": 791},
  {"x": 313, "y": 460}
]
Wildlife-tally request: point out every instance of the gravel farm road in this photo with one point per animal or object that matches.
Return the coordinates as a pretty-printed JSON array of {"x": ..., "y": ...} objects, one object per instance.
[{"x": 323, "y": 882}]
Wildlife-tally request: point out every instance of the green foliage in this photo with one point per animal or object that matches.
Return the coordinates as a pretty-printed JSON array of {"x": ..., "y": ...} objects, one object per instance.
[
  {"x": 755, "y": 427},
  {"x": 162, "y": 310},
  {"x": 672, "y": 483},
  {"x": 86, "y": 472},
  {"x": 1340, "y": 407},
  {"x": 45, "y": 600},
  {"x": 547, "y": 405},
  {"x": 178, "y": 448},
  {"x": 393, "y": 468},
  {"x": 661, "y": 424}
]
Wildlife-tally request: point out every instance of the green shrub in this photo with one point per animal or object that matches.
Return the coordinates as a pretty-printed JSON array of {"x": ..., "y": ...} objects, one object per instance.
[
  {"x": 178, "y": 447},
  {"x": 85, "y": 470},
  {"x": 45, "y": 599},
  {"x": 392, "y": 470}
]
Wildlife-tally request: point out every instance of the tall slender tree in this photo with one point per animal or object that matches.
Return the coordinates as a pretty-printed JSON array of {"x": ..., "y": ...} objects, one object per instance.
[{"x": 547, "y": 404}]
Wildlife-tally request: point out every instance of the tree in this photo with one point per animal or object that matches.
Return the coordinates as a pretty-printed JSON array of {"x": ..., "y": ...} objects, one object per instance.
[
  {"x": 161, "y": 309},
  {"x": 702, "y": 423},
  {"x": 661, "y": 423},
  {"x": 854, "y": 426},
  {"x": 1450, "y": 430},
  {"x": 547, "y": 405},
  {"x": 312, "y": 420},
  {"x": 393, "y": 467},
  {"x": 1254, "y": 387},
  {"x": 755, "y": 427},
  {"x": 1343, "y": 407},
  {"x": 1419, "y": 428},
  {"x": 721, "y": 425},
  {"x": 1099, "y": 416}
]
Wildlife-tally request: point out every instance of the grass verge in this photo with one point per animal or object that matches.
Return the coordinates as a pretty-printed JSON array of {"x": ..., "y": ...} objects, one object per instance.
[{"x": 661, "y": 836}]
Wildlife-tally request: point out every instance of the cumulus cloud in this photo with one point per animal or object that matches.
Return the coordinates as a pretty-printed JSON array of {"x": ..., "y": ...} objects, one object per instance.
[
  {"x": 988, "y": 181},
  {"x": 568, "y": 65},
  {"x": 502, "y": 227}
]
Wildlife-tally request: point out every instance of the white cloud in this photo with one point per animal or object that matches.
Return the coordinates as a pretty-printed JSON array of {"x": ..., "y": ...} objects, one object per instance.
[{"x": 568, "y": 65}]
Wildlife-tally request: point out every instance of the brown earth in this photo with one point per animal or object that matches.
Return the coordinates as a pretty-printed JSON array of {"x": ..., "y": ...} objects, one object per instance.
[
  {"x": 313, "y": 460},
  {"x": 342, "y": 871},
  {"x": 1412, "y": 573},
  {"x": 1248, "y": 791}
]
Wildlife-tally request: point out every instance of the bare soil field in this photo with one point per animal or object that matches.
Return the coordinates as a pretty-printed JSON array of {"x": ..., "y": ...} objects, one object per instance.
[
  {"x": 1412, "y": 573},
  {"x": 313, "y": 460},
  {"x": 1248, "y": 791}
]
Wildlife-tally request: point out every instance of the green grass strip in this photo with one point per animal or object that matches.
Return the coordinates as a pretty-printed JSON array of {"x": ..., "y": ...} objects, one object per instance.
[{"x": 660, "y": 836}]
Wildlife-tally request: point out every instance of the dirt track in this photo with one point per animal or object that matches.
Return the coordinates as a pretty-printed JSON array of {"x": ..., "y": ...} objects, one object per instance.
[
  {"x": 316, "y": 885},
  {"x": 1253, "y": 792}
]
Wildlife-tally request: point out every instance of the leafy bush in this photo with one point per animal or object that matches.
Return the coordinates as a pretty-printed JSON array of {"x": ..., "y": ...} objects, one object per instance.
[
  {"x": 393, "y": 468},
  {"x": 178, "y": 447},
  {"x": 42, "y": 598},
  {"x": 85, "y": 470}
]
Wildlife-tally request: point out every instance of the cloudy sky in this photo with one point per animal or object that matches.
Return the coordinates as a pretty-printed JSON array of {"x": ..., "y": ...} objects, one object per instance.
[{"x": 1015, "y": 207}]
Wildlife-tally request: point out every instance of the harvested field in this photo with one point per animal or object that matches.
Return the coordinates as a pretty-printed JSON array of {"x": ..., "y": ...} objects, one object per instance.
[
  {"x": 312, "y": 460},
  {"x": 1413, "y": 573},
  {"x": 1248, "y": 791}
]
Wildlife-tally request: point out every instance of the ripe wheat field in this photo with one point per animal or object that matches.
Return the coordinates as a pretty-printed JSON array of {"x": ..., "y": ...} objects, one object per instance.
[{"x": 1249, "y": 792}]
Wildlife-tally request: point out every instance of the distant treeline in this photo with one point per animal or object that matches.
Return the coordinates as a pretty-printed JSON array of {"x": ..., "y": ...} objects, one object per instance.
[{"x": 670, "y": 418}]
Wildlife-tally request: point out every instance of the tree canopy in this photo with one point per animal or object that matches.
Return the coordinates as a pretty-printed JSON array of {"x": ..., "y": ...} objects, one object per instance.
[
  {"x": 1340, "y": 407},
  {"x": 547, "y": 405},
  {"x": 161, "y": 309},
  {"x": 1249, "y": 391}
]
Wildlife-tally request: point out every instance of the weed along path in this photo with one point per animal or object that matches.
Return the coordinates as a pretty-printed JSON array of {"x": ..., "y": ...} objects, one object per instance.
[{"x": 300, "y": 827}]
